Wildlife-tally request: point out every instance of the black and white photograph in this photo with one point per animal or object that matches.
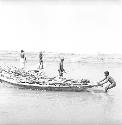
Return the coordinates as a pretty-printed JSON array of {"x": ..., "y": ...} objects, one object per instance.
[{"x": 60, "y": 62}]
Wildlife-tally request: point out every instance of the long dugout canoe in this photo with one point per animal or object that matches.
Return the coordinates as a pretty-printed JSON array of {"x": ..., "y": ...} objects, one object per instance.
[{"x": 47, "y": 87}]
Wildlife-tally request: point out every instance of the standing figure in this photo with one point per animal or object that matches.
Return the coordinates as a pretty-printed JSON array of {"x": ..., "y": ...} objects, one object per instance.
[
  {"x": 41, "y": 60},
  {"x": 22, "y": 59},
  {"x": 109, "y": 79},
  {"x": 61, "y": 68}
]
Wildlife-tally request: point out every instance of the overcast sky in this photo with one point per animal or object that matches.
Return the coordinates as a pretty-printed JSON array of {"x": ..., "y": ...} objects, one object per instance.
[{"x": 73, "y": 27}]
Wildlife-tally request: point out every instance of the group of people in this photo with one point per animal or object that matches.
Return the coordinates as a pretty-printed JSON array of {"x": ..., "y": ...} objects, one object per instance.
[
  {"x": 23, "y": 61},
  {"x": 61, "y": 71}
]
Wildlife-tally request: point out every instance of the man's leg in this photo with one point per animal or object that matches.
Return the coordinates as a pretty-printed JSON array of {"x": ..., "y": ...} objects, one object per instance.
[
  {"x": 42, "y": 64},
  {"x": 110, "y": 86},
  {"x": 59, "y": 73},
  {"x": 39, "y": 64}
]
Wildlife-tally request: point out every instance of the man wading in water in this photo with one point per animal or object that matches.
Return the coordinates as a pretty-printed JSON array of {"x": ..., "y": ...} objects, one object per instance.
[
  {"x": 61, "y": 68},
  {"x": 109, "y": 79},
  {"x": 41, "y": 60},
  {"x": 22, "y": 59}
]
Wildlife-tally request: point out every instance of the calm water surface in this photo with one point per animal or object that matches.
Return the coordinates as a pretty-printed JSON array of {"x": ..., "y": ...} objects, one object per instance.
[{"x": 21, "y": 106}]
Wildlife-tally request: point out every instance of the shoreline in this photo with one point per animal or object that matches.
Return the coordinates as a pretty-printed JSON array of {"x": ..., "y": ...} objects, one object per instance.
[{"x": 69, "y": 57}]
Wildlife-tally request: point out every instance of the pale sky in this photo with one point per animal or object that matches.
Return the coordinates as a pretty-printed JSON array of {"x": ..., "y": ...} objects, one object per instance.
[{"x": 69, "y": 27}]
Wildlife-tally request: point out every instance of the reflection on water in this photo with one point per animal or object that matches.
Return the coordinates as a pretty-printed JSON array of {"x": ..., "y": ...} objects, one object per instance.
[{"x": 21, "y": 106}]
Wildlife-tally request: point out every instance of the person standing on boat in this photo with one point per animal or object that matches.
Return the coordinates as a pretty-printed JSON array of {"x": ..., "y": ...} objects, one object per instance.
[
  {"x": 109, "y": 79},
  {"x": 61, "y": 69},
  {"x": 22, "y": 59},
  {"x": 41, "y": 60}
]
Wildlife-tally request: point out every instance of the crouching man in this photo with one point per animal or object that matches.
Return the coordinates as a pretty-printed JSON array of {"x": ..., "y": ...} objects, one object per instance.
[{"x": 107, "y": 79}]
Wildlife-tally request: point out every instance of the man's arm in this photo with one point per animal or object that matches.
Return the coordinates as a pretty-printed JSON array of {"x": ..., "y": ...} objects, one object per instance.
[
  {"x": 105, "y": 81},
  {"x": 64, "y": 71},
  {"x": 102, "y": 80}
]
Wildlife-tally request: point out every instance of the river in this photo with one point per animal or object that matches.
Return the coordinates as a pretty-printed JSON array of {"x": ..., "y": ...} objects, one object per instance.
[{"x": 30, "y": 107}]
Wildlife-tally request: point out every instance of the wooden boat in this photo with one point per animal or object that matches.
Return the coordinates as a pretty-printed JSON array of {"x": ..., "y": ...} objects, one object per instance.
[
  {"x": 57, "y": 86},
  {"x": 36, "y": 80}
]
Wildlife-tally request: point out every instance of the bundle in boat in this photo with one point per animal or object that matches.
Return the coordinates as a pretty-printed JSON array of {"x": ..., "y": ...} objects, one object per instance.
[{"x": 38, "y": 77}]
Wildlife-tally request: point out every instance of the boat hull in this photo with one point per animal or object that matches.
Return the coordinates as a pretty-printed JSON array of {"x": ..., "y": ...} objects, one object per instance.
[{"x": 43, "y": 87}]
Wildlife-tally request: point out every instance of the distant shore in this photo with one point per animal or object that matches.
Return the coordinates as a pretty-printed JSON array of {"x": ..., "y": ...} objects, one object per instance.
[{"x": 49, "y": 57}]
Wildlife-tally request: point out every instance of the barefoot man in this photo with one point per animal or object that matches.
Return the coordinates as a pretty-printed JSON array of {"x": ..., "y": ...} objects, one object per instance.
[
  {"x": 22, "y": 59},
  {"x": 61, "y": 68},
  {"x": 41, "y": 60},
  {"x": 109, "y": 79}
]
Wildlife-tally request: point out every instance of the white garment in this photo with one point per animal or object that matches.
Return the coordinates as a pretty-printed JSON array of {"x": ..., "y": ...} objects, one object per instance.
[{"x": 22, "y": 63}]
